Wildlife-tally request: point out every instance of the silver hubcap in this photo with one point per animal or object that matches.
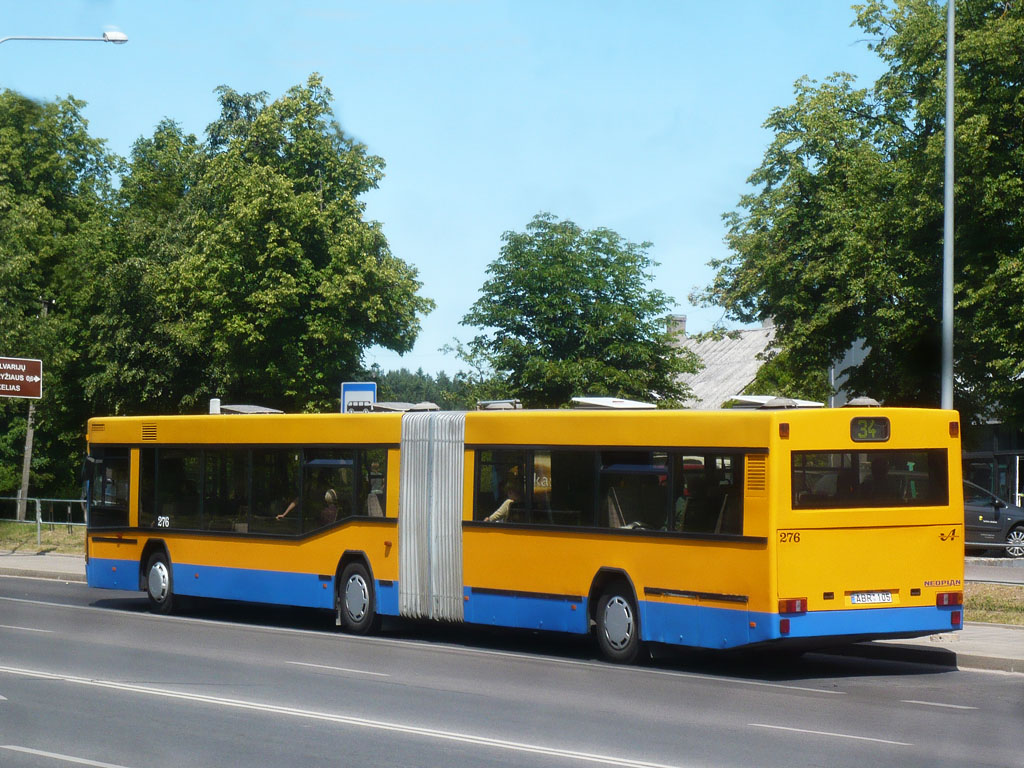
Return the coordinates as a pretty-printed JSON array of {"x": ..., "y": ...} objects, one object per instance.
[
  {"x": 618, "y": 623},
  {"x": 1016, "y": 542},
  {"x": 158, "y": 582},
  {"x": 357, "y": 598}
]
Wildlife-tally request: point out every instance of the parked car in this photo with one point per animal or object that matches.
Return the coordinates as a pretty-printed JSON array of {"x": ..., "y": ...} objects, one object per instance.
[{"x": 989, "y": 519}]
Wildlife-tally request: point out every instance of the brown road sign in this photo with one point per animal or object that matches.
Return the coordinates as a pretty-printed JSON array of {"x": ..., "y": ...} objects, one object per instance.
[{"x": 21, "y": 378}]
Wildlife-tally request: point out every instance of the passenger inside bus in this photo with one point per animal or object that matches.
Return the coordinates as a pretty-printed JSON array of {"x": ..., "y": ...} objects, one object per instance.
[{"x": 501, "y": 514}]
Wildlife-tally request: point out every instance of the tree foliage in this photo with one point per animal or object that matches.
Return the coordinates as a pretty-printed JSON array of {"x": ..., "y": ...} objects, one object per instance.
[
  {"x": 841, "y": 238},
  {"x": 449, "y": 393},
  {"x": 240, "y": 266},
  {"x": 568, "y": 312},
  {"x": 248, "y": 262},
  {"x": 54, "y": 233}
]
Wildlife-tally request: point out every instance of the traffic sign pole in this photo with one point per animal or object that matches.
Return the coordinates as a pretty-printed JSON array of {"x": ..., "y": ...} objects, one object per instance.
[{"x": 21, "y": 377}]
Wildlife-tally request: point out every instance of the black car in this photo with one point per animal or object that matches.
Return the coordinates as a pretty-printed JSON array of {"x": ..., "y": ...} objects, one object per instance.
[{"x": 990, "y": 520}]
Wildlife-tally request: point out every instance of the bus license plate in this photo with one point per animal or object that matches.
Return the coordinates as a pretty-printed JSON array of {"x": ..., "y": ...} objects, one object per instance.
[{"x": 870, "y": 598}]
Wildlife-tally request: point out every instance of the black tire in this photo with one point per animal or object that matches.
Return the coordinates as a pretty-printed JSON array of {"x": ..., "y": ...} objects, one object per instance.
[
  {"x": 159, "y": 583},
  {"x": 1015, "y": 542},
  {"x": 357, "y": 606},
  {"x": 618, "y": 626}
]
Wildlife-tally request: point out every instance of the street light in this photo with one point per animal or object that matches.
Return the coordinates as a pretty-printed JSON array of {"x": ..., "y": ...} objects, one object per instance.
[
  {"x": 117, "y": 38},
  {"x": 113, "y": 36}
]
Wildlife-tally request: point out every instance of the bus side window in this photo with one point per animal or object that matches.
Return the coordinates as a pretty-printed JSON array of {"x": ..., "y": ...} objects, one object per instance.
[
  {"x": 372, "y": 495},
  {"x": 709, "y": 493},
  {"x": 500, "y": 487}
]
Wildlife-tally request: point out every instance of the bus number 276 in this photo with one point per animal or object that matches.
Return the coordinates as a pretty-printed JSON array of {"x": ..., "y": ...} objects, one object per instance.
[{"x": 789, "y": 537}]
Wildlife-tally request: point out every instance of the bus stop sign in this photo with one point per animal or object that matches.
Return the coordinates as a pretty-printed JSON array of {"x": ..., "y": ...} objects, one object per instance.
[
  {"x": 21, "y": 378},
  {"x": 357, "y": 394}
]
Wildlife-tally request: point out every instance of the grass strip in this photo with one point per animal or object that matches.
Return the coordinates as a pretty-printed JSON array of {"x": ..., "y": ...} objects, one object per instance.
[{"x": 994, "y": 603}]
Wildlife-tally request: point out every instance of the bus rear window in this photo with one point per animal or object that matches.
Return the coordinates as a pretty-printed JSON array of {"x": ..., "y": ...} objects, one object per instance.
[{"x": 869, "y": 478}]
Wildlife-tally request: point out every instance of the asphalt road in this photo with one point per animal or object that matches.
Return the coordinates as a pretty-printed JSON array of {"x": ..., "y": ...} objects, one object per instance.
[{"x": 88, "y": 677}]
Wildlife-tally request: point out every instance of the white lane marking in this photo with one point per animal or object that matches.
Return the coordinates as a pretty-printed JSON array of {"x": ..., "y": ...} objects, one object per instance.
[
  {"x": 935, "y": 704},
  {"x": 443, "y": 647},
  {"x": 337, "y": 669},
  {"x": 26, "y": 629},
  {"x": 3, "y": 698},
  {"x": 56, "y": 756},
  {"x": 829, "y": 733},
  {"x": 358, "y": 722}
]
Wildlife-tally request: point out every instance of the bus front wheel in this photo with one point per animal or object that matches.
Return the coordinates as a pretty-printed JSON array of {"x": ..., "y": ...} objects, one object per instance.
[
  {"x": 618, "y": 631},
  {"x": 356, "y": 609},
  {"x": 159, "y": 583}
]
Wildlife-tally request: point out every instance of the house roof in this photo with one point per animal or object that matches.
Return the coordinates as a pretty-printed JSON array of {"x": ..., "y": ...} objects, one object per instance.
[{"x": 730, "y": 364}]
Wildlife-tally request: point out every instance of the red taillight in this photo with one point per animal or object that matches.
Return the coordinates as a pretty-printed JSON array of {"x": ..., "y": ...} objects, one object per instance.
[
  {"x": 793, "y": 605},
  {"x": 783, "y": 626},
  {"x": 954, "y": 619},
  {"x": 945, "y": 599}
]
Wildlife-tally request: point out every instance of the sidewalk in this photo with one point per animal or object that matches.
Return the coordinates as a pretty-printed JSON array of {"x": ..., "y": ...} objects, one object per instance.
[
  {"x": 47, "y": 566},
  {"x": 976, "y": 646}
]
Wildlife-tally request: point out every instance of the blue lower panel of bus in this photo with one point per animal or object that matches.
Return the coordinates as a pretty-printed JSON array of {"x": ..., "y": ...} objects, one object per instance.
[
  {"x": 700, "y": 626},
  {"x": 112, "y": 574},
  {"x": 387, "y": 597},
  {"x": 706, "y": 627},
  {"x": 877, "y": 622},
  {"x": 558, "y": 613},
  {"x": 306, "y": 590},
  {"x": 694, "y": 625}
]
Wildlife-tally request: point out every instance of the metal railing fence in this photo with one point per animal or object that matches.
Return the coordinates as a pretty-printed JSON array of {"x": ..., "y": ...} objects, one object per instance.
[{"x": 51, "y": 512}]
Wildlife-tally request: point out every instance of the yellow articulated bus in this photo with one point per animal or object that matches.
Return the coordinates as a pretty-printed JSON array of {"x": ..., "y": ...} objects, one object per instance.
[{"x": 706, "y": 529}]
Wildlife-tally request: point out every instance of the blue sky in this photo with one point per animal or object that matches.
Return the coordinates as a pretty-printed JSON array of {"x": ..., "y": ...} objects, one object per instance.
[{"x": 644, "y": 117}]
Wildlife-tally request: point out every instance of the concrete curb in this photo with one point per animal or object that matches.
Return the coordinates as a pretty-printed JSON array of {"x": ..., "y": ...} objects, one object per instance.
[
  {"x": 919, "y": 654},
  {"x": 42, "y": 574}
]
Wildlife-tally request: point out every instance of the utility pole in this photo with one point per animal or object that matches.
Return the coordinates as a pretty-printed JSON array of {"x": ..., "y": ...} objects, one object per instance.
[{"x": 26, "y": 463}]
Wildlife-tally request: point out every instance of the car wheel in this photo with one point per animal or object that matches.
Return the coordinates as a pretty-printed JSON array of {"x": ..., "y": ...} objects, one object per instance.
[{"x": 1015, "y": 542}]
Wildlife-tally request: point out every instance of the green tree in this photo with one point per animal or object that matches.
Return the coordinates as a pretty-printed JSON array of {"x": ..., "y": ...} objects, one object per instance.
[
  {"x": 568, "y": 312},
  {"x": 55, "y": 197},
  {"x": 405, "y": 386},
  {"x": 248, "y": 263},
  {"x": 841, "y": 238}
]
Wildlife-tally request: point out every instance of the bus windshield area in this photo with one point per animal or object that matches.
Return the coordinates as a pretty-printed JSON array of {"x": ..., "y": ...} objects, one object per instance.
[{"x": 869, "y": 478}]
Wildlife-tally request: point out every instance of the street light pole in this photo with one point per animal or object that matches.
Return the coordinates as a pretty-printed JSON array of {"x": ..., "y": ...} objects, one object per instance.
[
  {"x": 947, "y": 225},
  {"x": 117, "y": 38}
]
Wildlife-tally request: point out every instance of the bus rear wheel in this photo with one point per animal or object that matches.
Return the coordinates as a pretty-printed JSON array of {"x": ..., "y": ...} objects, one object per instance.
[
  {"x": 357, "y": 613},
  {"x": 618, "y": 631},
  {"x": 159, "y": 583}
]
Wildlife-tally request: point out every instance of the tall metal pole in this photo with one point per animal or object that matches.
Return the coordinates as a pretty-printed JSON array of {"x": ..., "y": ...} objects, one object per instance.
[
  {"x": 117, "y": 38},
  {"x": 947, "y": 226}
]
